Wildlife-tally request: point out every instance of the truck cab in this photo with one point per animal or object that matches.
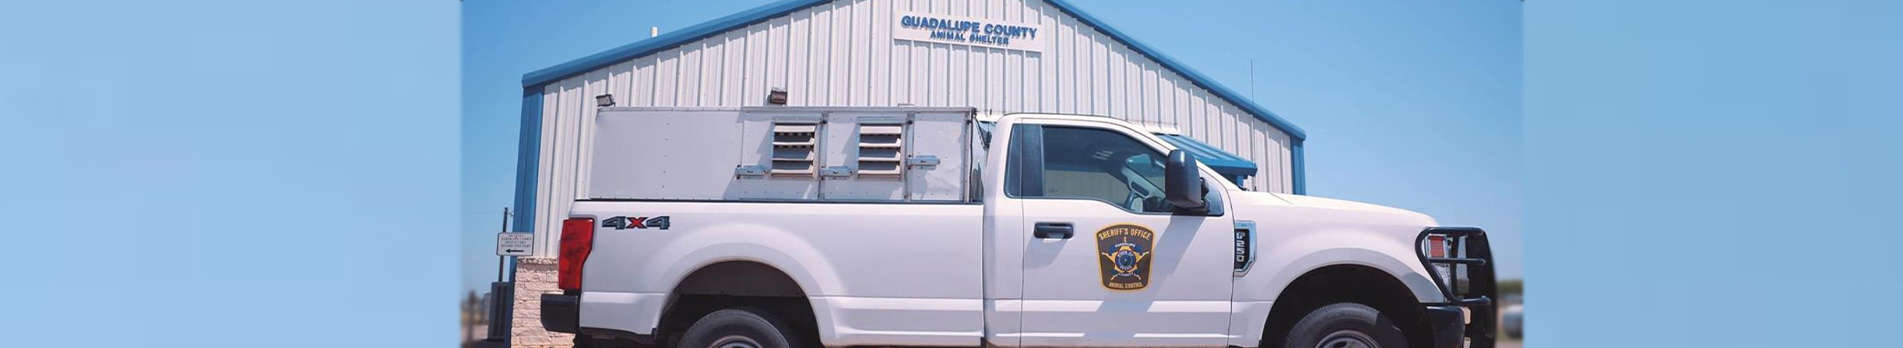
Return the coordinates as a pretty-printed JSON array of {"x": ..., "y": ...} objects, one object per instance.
[{"x": 838, "y": 227}]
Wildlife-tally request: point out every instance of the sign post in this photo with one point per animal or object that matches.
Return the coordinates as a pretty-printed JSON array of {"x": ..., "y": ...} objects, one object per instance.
[{"x": 503, "y": 290}]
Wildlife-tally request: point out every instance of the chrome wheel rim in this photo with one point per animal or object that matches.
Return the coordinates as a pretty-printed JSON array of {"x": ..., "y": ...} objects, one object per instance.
[
  {"x": 1347, "y": 339},
  {"x": 734, "y": 342}
]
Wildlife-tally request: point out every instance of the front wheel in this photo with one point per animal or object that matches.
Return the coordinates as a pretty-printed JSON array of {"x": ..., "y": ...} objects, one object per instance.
[
  {"x": 738, "y": 328},
  {"x": 1345, "y": 325}
]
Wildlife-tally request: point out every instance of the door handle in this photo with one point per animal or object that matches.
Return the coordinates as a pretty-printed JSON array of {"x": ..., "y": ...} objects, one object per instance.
[{"x": 1052, "y": 230}]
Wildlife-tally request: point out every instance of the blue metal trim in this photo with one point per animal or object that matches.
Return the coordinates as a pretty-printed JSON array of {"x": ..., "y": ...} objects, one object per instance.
[
  {"x": 1301, "y": 180},
  {"x": 1194, "y": 77},
  {"x": 670, "y": 40},
  {"x": 1241, "y": 165},
  {"x": 1223, "y": 162},
  {"x": 1237, "y": 164},
  {"x": 1214, "y": 157},
  {"x": 528, "y": 153}
]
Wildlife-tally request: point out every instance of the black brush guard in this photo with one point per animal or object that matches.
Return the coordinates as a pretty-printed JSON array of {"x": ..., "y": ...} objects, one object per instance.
[{"x": 1467, "y": 250}]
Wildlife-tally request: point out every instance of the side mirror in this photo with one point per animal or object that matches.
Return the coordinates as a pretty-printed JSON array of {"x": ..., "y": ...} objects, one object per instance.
[{"x": 1182, "y": 184}]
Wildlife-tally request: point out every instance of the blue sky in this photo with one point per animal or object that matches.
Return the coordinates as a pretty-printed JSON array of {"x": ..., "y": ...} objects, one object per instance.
[
  {"x": 1408, "y": 104},
  {"x": 1727, "y": 170},
  {"x": 218, "y": 173}
]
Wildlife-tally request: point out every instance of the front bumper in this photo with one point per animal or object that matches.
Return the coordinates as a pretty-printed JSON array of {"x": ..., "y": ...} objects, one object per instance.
[
  {"x": 1449, "y": 325},
  {"x": 561, "y": 313}
]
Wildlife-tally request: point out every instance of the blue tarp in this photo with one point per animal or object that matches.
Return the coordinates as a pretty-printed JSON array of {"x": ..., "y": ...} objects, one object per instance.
[{"x": 1229, "y": 165}]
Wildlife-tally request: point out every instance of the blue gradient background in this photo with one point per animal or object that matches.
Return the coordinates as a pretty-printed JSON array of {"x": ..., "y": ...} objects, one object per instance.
[
  {"x": 1713, "y": 173},
  {"x": 230, "y": 173}
]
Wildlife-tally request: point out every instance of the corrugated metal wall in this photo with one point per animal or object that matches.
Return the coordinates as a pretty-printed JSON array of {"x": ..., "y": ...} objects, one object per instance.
[{"x": 843, "y": 54}]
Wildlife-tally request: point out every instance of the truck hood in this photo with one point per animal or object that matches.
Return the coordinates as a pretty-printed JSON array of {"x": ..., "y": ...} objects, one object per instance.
[{"x": 1365, "y": 212}]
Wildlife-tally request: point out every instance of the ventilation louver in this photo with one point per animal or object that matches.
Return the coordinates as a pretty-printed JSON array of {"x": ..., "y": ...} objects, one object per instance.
[
  {"x": 794, "y": 148},
  {"x": 881, "y": 149}
]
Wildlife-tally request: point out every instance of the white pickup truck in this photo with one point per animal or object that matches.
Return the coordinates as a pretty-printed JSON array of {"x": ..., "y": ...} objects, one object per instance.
[{"x": 907, "y": 226}]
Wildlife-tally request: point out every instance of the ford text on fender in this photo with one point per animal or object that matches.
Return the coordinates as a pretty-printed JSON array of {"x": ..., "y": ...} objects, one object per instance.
[{"x": 812, "y": 226}]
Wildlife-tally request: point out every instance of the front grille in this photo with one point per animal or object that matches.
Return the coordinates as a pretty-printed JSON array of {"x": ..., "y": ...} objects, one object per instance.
[{"x": 1467, "y": 252}]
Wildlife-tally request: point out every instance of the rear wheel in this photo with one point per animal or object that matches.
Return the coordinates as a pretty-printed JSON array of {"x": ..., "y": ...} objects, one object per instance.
[
  {"x": 739, "y": 328},
  {"x": 1345, "y": 325}
]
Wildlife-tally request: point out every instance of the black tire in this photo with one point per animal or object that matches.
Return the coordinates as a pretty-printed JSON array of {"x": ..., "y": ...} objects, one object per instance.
[
  {"x": 1345, "y": 325},
  {"x": 739, "y": 328}
]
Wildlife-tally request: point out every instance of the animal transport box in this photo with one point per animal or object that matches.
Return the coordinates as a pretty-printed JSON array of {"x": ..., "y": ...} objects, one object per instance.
[{"x": 782, "y": 154}]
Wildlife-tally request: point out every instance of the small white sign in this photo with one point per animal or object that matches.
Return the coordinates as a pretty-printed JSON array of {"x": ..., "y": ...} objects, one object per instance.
[
  {"x": 968, "y": 31},
  {"x": 514, "y": 244}
]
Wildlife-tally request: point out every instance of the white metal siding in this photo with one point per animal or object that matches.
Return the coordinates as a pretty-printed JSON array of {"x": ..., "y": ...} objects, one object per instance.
[{"x": 843, "y": 54}]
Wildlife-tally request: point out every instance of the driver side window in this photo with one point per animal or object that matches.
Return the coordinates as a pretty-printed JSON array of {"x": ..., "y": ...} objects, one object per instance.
[{"x": 1098, "y": 164}]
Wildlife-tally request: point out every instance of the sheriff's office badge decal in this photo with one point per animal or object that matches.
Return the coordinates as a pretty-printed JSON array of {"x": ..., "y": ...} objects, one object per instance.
[{"x": 1123, "y": 256}]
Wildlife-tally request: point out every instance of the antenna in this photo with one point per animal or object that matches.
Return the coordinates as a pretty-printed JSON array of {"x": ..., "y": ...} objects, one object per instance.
[{"x": 1251, "y": 79}]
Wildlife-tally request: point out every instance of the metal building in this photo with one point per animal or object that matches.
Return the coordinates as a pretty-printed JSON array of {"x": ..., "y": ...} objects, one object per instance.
[{"x": 997, "y": 56}]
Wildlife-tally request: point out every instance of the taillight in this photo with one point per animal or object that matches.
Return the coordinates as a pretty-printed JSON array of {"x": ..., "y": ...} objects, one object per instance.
[{"x": 578, "y": 239}]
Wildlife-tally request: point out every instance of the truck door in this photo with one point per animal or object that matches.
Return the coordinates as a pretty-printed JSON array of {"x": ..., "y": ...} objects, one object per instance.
[{"x": 1106, "y": 262}]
